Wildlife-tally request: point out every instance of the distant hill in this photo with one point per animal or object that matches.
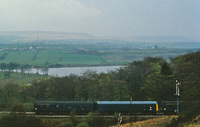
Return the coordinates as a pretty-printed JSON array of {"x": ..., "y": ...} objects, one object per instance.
[
  {"x": 163, "y": 39},
  {"x": 54, "y": 35},
  {"x": 70, "y": 37},
  {"x": 13, "y": 36}
]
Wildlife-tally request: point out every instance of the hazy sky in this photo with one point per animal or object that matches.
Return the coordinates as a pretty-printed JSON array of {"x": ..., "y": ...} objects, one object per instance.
[{"x": 104, "y": 17}]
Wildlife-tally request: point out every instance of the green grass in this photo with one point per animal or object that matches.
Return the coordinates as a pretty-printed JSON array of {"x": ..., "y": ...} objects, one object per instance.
[
  {"x": 22, "y": 57},
  {"x": 18, "y": 78},
  {"x": 77, "y": 55},
  {"x": 80, "y": 59},
  {"x": 47, "y": 57}
]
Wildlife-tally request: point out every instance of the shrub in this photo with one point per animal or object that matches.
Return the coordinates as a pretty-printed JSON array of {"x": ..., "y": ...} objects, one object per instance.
[
  {"x": 65, "y": 124},
  {"x": 83, "y": 124}
]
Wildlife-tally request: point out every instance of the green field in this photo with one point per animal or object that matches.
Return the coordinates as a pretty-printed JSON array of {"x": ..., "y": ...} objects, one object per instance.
[
  {"x": 86, "y": 54},
  {"x": 18, "y": 78}
]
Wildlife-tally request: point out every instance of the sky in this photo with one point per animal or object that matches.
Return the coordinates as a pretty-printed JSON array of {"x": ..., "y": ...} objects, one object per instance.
[{"x": 116, "y": 18}]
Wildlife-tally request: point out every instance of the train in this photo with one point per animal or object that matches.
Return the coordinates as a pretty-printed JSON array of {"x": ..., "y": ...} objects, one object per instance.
[
  {"x": 105, "y": 107},
  {"x": 170, "y": 107}
]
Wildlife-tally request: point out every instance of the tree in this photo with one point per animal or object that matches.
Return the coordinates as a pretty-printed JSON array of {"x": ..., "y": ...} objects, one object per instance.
[
  {"x": 86, "y": 89},
  {"x": 9, "y": 95},
  {"x": 136, "y": 74},
  {"x": 159, "y": 85},
  {"x": 187, "y": 71},
  {"x": 38, "y": 89},
  {"x": 3, "y": 66},
  {"x": 45, "y": 70}
]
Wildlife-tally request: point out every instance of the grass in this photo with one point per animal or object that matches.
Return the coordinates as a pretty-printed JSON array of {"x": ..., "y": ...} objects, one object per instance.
[
  {"x": 162, "y": 122},
  {"x": 47, "y": 57},
  {"x": 72, "y": 55},
  {"x": 18, "y": 78},
  {"x": 155, "y": 122},
  {"x": 22, "y": 57}
]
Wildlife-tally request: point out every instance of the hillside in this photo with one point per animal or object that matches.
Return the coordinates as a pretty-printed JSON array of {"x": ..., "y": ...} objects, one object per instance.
[
  {"x": 162, "y": 122},
  {"x": 16, "y": 36},
  {"x": 155, "y": 122}
]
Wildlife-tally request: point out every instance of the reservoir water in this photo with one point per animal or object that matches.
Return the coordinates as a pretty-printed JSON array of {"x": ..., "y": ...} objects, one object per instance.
[{"x": 65, "y": 71}]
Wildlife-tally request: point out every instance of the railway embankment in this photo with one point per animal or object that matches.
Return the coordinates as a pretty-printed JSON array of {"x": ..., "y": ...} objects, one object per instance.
[
  {"x": 155, "y": 122},
  {"x": 162, "y": 121}
]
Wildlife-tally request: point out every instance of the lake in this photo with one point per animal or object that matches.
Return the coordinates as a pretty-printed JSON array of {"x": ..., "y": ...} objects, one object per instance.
[{"x": 65, "y": 71}]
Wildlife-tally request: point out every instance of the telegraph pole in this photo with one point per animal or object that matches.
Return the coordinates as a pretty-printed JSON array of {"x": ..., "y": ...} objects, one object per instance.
[{"x": 177, "y": 94}]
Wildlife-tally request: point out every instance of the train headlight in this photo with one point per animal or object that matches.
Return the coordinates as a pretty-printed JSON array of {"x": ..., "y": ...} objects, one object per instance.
[
  {"x": 150, "y": 108},
  {"x": 35, "y": 108}
]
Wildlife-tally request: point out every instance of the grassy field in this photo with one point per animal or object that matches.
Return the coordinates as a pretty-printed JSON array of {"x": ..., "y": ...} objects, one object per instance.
[
  {"x": 78, "y": 54},
  {"x": 18, "y": 78}
]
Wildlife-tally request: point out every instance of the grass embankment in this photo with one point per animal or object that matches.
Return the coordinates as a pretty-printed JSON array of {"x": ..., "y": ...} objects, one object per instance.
[
  {"x": 18, "y": 78},
  {"x": 162, "y": 122},
  {"x": 155, "y": 122}
]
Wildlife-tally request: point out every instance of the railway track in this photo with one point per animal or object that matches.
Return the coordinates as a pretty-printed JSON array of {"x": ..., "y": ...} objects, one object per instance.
[
  {"x": 99, "y": 116},
  {"x": 82, "y": 116}
]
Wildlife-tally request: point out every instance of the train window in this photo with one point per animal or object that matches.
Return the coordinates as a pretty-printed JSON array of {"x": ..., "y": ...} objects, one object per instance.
[
  {"x": 46, "y": 106},
  {"x": 63, "y": 106}
]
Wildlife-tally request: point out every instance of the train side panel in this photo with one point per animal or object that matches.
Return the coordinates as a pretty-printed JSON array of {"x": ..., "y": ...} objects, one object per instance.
[
  {"x": 62, "y": 107},
  {"x": 144, "y": 107}
]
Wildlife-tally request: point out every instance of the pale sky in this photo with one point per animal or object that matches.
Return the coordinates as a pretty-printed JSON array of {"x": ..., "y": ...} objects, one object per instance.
[{"x": 120, "y": 18}]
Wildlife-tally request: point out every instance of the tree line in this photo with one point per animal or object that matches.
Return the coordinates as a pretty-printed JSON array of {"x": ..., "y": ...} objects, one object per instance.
[{"x": 23, "y": 68}]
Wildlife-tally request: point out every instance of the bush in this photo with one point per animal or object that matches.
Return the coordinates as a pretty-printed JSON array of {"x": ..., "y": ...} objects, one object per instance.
[
  {"x": 83, "y": 124},
  {"x": 65, "y": 124},
  {"x": 187, "y": 115},
  {"x": 90, "y": 118},
  {"x": 16, "y": 121},
  {"x": 73, "y": 117}
]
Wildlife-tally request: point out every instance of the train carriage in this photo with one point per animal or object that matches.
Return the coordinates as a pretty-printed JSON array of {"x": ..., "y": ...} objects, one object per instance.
[
  {"x": 62, "y": 107},
  {"x": 170, "y": 107},
  {"x": 144, "y": 107}
]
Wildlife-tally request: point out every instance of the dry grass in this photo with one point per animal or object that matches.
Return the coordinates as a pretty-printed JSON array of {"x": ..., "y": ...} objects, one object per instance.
[
  {"x": 194, "y": 123},
  {"x": 155, "y": 122}
]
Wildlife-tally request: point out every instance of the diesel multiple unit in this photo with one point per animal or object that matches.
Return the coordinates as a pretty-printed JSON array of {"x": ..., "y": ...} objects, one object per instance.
[{"x": 83, "y": 107}]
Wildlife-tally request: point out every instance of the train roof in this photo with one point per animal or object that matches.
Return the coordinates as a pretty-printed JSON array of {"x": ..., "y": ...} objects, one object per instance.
[{"x": 126, "y": 102}]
